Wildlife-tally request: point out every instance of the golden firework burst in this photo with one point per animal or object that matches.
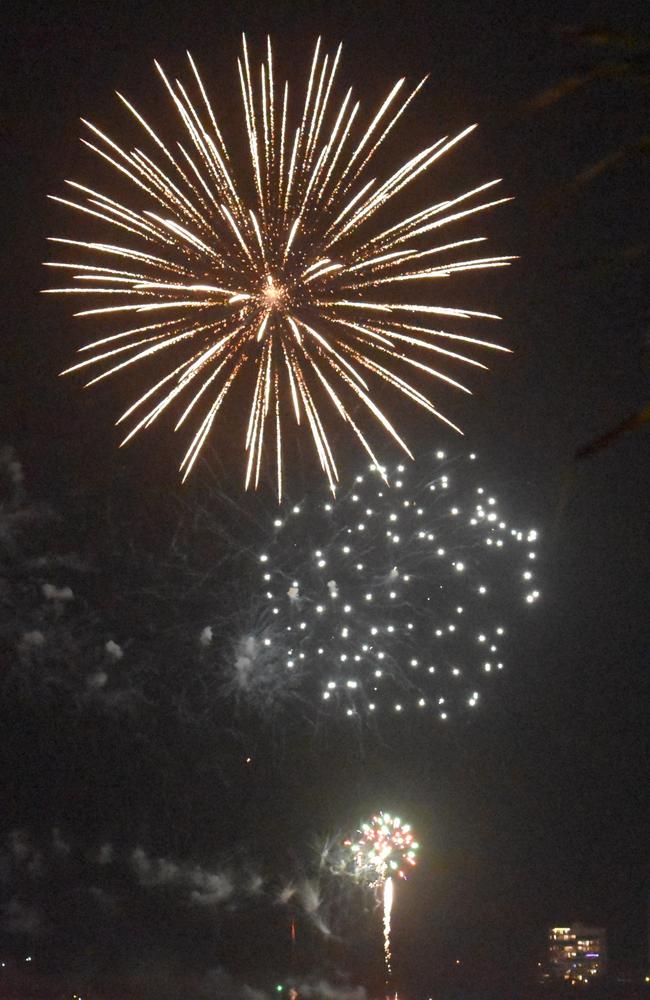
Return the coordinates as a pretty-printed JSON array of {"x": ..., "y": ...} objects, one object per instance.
[{"x": 292, "y": 280}]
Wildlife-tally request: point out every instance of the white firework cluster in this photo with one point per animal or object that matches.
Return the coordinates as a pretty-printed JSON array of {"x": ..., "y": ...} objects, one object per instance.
[{"x": 399, "y": 595}]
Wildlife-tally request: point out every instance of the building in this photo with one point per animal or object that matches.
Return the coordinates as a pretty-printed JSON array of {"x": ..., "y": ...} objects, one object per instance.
[{"x": 576, "y": 954}]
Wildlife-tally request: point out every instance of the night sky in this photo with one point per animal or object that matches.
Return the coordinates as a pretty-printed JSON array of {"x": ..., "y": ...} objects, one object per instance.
[{"x": 532, "y": 812}]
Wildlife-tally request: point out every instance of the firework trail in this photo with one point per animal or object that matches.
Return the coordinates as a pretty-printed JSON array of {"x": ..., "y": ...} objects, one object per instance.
[
  {"x": 382, "y": 848},
  {"x": 387, "y": 911},
  {"x": 282, "y": 278}
]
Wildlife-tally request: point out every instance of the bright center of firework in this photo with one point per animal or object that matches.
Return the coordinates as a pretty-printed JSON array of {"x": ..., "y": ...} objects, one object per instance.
[{"x": 273, "y": 293}]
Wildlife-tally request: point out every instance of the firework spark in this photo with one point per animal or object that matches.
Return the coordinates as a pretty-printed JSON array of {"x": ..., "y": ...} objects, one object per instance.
[
  {"x": 393, "y": 600},
  {"x": 382, "y": 849},
  {"x": 285, "y": 271}
]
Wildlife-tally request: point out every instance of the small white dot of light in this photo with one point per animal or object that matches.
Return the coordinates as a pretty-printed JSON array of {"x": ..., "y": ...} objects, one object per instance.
[
  {"x": 326, "y": 695},
  {"x": 419, "y": 512},
  {"x": 277, "y": 522},
  {"x": 374, "y": 630},
  {"x": 441, "y": 701},
  {"x": 351, "y": 684},
  {"x": 321, "y": 563},
  {"x": 530, "y": 598},
  {"x": 414, "y": 663},
  {"x": 452, "y": 628},
  {"x": 390, "y": 628},
  {"x": 328, "y": 506},
  {"x": 532, "y": 536},
  {"x": 536, "y": 594},
  {"x": 499, "y": 543},
  {"x": 395, "y": 539},
  {"x": 500, "y": 630},
  {"x": 378, "y": 673},
  {"x": 471, "y": 703},
  {"x": 489, "y": 541},
  {"x": 487, "y": 667},
  {"x": 432, "y": 670},
  {"x": 267, "y": 642},
  {"x": 407, "y": 503},
  {"x": 331, "y": 685},
  {"x": 320, "y": 651},
  {"x": 473, "y": 521},
  {"x": 359, "y": 566},
  {"x": 290, "y": 663},
  {"x": 493, "y": 649},
  {"x": 460, "y": 567},
  {"x": 357, "y": 658},
  {"x": 459, "y": 611},
  {"x": 350, "y": 712},
  {"x": 443, "y": 715},
  {"x": 520, "y": 536},
  {"x": 369, "y": 511},
  {"x": 444, "y": 484},
  {"x": 492, "y": 516},
  {"x": 296, "y": 510},
  {"x": 303, "y": 625},
  {"x": 400, "y": 468},
  {"x": 499, "y": 666},
  {"x": 456, "y": 672},
  {"x": 441, "y": 552},
  {"x": 264, "y": 558},
  {"x": 269, "y": 595},
  {"x": 480, "y": 490},
  {"x": 440, "y": 454},
  {"x": 295, "y": 584},
  {"x": 355, "y": 498},
  {"x": 373, "y": 468},
  {"x": 502, "y": 525},
  {"x": 454, "y": 510},
  {"x": 398, "y": 484},
  {"x": 371, "y": 707},
  {"x": 345, "y": 632},
  {"x": 347, "y": 608},
  {"x": 359, "y": 479},
  {"x": 368, "y": 597},
  {"x": 301, "y": 656},
  {"x": 276, "y": 611},
  {"x": 481, "y": 638},
  {"x": 392, "y": 595},
  {"x": 392, "y": 517},
  {"x": 318, "y": 553},
  {"x": 267, "y": 576},
  {"x": 482, "y": 590},
  {"x": 438, "y": 631},
  {"x": 380, "y": 656},
  {"x": 409, "y": 625},
  {"x": 528, "y": 575},
  {"x": 365, "y": 647},
  {"x": 361, "y": 527},
  {"x": 531, "y": 555},
  {"x": 343, "y": 657},
  {"x": 432, "y": 486},
  {"x": 422, "y": 534},
  {"x": 472, "y": 456},
  {"x": 346, "y": 549},
  {"x": 320, "y": 609},
  {"x": 398, "y": 707},
  {"x": 421, "y": 702}
]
